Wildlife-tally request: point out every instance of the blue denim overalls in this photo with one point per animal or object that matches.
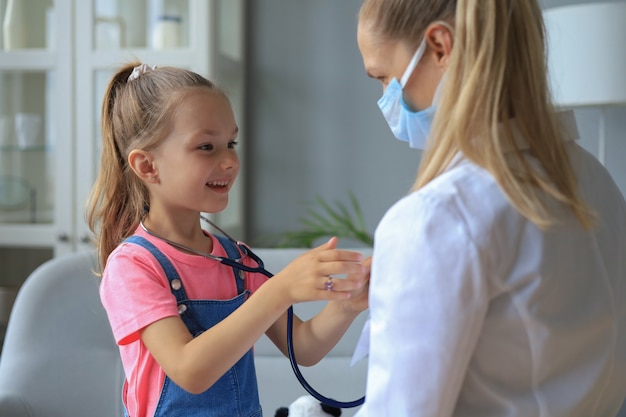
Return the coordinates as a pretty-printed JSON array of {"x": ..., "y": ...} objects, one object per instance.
[{"x": 235, "y": 394}]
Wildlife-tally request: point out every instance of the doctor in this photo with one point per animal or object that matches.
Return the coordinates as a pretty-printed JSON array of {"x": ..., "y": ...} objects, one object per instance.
[{"x": 498, "y": 283}]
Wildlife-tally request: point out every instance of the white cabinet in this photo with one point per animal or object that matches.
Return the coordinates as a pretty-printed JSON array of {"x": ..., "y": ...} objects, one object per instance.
[{"x": 51, "y": 87}]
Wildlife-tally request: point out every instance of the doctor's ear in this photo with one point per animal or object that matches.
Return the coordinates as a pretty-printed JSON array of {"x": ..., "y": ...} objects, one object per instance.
[
  {"x": 440, "y": 39},
  {"x": 142, "y": 165}
]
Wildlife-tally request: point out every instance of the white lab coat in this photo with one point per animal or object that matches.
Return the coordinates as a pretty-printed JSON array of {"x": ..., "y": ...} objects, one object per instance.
[{"x": 475, "y": 312}]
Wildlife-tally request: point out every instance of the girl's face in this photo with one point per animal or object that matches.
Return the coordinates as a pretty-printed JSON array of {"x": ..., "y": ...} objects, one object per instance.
[{"x": 197, "y": 163}]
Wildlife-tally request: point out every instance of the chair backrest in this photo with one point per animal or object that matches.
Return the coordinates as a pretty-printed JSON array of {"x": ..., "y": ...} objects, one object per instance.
[{"x": 59, "y": 357}]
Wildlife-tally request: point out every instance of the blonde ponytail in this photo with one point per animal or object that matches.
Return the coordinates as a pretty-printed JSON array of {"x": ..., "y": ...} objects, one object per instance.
[{"x": 496, "y": 74}]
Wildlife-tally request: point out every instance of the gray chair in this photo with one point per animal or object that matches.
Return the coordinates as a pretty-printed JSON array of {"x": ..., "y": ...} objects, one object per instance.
[{"x": 59, "y": 358}]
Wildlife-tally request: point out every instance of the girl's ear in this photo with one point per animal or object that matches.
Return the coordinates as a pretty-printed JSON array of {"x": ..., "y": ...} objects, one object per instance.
[
  {"x": 440, "y": 40},
  {"x": 141, "y": 163}
]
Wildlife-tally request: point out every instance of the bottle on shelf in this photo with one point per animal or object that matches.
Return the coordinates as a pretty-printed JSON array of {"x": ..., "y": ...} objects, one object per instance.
[
  {"x": 13, "y": 25},
  {"x": 166, "y": 33}
]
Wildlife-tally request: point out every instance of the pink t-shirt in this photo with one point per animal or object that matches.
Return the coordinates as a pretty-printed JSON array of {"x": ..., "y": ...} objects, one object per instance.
[{"x": 135, "y": 293}]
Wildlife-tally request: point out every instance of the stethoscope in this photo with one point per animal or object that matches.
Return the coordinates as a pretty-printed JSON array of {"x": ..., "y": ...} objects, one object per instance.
[{"x": 260, "y": 268}]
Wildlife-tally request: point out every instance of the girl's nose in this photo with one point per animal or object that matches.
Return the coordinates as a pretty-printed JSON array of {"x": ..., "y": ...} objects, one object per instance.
[{"x": 229, "y": 160}]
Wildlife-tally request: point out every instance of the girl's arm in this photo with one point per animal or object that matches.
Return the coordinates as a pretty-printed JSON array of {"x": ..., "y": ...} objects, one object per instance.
[
  {"x": 314, "y": 338},
  {"x": 195, "y": 364}
]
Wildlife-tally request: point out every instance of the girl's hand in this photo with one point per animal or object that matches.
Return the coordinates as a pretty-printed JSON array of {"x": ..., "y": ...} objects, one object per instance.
[{"x": 308, "y": 277}]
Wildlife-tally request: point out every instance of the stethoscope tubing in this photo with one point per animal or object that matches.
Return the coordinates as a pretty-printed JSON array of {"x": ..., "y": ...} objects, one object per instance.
[
  {"x": 296, "y": 370},
  {"x": 292, "y": 355}
]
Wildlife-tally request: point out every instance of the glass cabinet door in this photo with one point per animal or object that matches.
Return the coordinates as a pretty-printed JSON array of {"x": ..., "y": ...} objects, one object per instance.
[
  {"x": 27, "y": 131},
  {"x": 35, "y": 125}
]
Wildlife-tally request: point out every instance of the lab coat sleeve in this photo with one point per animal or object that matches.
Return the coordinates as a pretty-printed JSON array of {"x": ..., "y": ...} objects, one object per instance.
[{"x": 428, "y": 300}]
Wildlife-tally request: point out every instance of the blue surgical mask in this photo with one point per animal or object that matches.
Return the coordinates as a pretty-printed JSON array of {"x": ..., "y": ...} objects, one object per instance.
[{"x": 407, "y": 125}]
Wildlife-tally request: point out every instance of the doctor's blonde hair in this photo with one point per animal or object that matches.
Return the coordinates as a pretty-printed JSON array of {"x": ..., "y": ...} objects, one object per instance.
[{"x": 497, "y": 72}]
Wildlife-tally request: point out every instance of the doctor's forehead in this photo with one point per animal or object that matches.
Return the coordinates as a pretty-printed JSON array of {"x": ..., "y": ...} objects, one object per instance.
[{"x": 374, "y": 51}]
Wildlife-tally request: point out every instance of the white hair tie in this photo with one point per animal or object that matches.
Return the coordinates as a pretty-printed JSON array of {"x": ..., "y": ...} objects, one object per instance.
[{"x": 140, "y": 70}]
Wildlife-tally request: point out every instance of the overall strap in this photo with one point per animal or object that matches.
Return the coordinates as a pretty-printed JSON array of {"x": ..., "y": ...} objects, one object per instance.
[
  {"x": 176, "y": 284},
  {"x": 233, "y": 253}
]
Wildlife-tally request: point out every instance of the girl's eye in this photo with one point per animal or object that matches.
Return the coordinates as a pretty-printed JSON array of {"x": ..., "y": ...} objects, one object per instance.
[
  {"x": 206, "y": 147},
  {"x": 233, "y": 144}
]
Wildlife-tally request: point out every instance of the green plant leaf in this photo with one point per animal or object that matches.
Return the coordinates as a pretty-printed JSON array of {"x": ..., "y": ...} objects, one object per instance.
[{"x": 325, "y": 220}]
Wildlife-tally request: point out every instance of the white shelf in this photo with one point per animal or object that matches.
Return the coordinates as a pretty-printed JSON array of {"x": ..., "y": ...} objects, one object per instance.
[
  {"x": 28, "y": 235},
  {"x": 31, "y": 59}
]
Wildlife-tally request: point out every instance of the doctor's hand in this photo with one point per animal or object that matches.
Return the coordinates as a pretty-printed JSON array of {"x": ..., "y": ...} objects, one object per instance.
[{"x": 358, "y": 300}]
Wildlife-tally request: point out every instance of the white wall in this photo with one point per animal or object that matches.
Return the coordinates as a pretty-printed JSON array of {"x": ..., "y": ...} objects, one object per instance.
[
  {"x": 313, "y": 126},
  {"x": 589, "y": 119}
]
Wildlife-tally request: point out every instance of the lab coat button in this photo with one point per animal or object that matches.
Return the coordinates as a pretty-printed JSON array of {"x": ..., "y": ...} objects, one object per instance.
[{"x": 176, "y": 284}]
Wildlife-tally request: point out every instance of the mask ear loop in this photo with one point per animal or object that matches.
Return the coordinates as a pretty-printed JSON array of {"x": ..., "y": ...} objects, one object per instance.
[
  {"x": 413, "y": 63},
  {"x": 418, "y": 55}
]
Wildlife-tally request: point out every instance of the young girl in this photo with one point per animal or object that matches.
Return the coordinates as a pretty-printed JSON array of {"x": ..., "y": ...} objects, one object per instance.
[
  {"x": 498, "y": 284},
  {"x": 184, "y": 331}
]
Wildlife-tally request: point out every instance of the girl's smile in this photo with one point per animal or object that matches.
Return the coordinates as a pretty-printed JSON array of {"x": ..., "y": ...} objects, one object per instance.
[{"x": 220, "y": 186}]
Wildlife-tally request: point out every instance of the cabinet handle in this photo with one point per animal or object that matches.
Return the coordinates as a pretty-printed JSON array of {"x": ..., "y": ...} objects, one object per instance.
[
  {"x": 63, "y": 237},
  {"x": 86, "y": 239}
]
